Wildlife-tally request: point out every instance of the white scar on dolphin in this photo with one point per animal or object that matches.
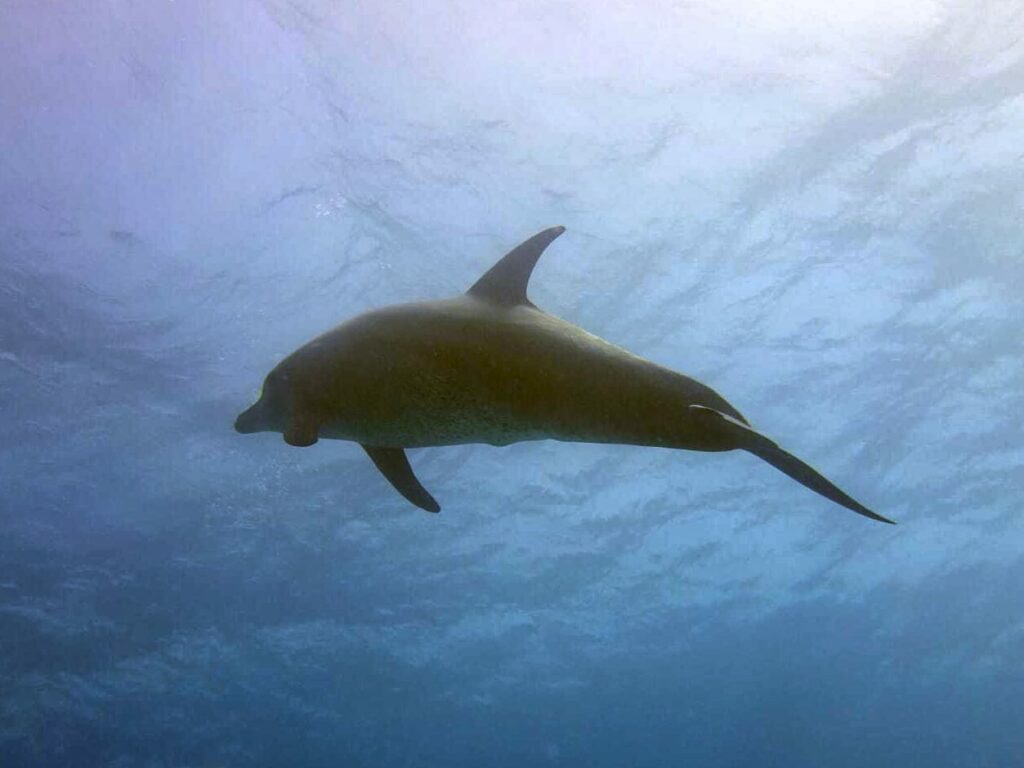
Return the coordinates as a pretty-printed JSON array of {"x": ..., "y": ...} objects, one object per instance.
[{"x": 490, "y": 367}]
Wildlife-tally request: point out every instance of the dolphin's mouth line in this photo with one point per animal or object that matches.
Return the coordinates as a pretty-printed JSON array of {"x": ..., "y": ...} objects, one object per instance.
[{"x": 247, "y": 421}]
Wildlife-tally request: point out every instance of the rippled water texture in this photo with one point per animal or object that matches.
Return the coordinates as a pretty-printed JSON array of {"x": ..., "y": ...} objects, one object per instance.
[{"x": 816, "y": 208}]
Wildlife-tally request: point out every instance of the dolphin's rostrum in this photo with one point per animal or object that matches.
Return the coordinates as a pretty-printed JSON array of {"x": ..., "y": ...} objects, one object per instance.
[{"x": 490, "y": 367}]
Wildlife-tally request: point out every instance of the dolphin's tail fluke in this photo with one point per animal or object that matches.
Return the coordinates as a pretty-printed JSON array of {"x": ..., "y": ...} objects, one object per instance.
[
  {"x": 807, "y": 475},
  {"x": 764, "y": 448}
]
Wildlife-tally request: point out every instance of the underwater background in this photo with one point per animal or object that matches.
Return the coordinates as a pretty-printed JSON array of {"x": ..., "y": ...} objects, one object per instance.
[{"x": 815, "y": 208}]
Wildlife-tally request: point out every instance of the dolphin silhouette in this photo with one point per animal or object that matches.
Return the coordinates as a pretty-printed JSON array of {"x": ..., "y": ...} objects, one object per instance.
[{"x": 490, "y": 367}]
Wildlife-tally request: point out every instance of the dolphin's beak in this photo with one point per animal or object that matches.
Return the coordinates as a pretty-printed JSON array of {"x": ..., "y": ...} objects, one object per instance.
[{"x": 249, "y": 421}]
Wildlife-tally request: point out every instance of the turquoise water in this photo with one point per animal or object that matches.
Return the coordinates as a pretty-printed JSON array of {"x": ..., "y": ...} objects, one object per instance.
[{"x": 815, "y": 210}]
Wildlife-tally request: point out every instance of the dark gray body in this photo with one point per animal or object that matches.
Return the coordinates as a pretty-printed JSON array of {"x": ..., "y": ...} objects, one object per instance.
[
  {"x": 466, "y": 371},
  {"x": 489, "y": 367}
]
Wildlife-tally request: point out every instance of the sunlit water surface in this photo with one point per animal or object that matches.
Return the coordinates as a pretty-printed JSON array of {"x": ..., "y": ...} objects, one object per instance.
[{"x": 815, "y": 208}]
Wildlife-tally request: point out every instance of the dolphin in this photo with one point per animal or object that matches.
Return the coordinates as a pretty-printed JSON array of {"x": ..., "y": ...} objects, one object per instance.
[{"x": 490, "y": 367}]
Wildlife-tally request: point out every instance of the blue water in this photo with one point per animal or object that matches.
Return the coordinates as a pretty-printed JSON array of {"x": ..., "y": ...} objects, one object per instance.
[{"x": 815, "y": 209}]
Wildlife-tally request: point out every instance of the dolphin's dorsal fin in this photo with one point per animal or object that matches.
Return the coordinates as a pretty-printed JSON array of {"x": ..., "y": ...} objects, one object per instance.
[
  {"x": 393, "y": 464},
  {"x": 505, "y": 282}
]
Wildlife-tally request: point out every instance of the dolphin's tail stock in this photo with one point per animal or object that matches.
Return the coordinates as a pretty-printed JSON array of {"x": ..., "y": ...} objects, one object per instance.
[{"x": 753, "y": 441}]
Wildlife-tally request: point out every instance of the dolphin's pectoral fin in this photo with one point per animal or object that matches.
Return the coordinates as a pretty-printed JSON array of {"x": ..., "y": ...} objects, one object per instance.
[
  {"x": 764, "y": 448},
  {"x": 301, "y": 432},
  {"x": 394, "y": 465},
  {"x": 505, "y": 282}
]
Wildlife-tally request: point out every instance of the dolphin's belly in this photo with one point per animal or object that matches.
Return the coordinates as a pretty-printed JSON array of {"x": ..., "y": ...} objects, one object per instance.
[{"x": 449, "y": 378}]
